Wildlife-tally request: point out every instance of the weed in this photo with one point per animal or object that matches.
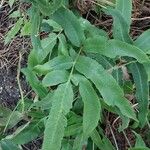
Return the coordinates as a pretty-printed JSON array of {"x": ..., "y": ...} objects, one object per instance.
[{"x": 77, "y": 73}]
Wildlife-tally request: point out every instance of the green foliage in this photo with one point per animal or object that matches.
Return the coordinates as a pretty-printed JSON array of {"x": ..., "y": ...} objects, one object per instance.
[
  {"x": 13, "y": 31},
  {"x": 56, "y": 123},
  {"x": 77, "y": 74},
  {"x": 70, "y": 24}
]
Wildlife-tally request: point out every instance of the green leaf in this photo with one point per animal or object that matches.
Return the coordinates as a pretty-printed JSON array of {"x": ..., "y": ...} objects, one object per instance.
[
  {"x": 62, "y": 47},
  {"x": 142, "y": 91},
  {"x": 74, "y": 129},
  {"x": 55, "y": 77},
  {"x": 32, "y": 59},
  {"x": 13, "y": 31},
  {"x": 143, "y": 41},
  {"x": 15, "y": 14},
  {"x": 44, "y": 47},
  {"x": 95, "y": 44},
  {"x": 37, "y": 53},
  {"x": 48, "y": 45},
  {"x": 101, "y": 143},
  {"x": 92, "y": 107},
  {"x": 56, "y": 27},
  {"x": 139, "y": 148},
  {"x": 27, "y": 132},
  {"x": 11, "y": 2},
  {"x": 114, "y": 48},
  {"x": 56, "y": 123},
  {"x": 73, "y": 118},
  {"x": 139, "y": 140},
  {"x": 58, "y": 63},
  {"x": 90, "y": 30},
  {"x": 34, "y": 82},
  {"x": 66, "y": 145},
  {"x": 9, "y": 117},
  {"x": 46, "y": 7},
  {"x": 106, "y": 84},
  {"x": 44, "y": 104},
  {"x": 8, "y": 145},
  {"x": 79, "y": 142},
  {"x": 70, "y": 24},
  {"x": 123, "y": 6},
  {"x": 124, "y": 124},
  {"x": 120, "y": 25},
  {"x": 26, "y": 29},
  {"x": 147, "y": 68},
  {"x": 108, "y": 64}
]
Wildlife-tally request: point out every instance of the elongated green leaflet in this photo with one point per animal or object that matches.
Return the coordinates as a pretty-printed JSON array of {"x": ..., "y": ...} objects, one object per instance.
[
  {"x": 106, "y": 84},
  {"x": 58, "y": 63},
  {"x": 70, "y": 24},
  {"x": 122, "y": 20},
  {"x": 56, "y": 122},
  {"x": 101, "y": 143},
  {"x": 13, "y": 31},
  {"x": 143, "y": 41},
  {"x": 120, "y": 26},
  {"x": 8, "y": 145},
  {"x": 139, "y": 140},
  {"x": 92, "y": 108},
  {"x": 142, "y": 91},
  {"x": 35, "y": 83},
  {"x": 55, "y": 77},
  {"x": 28, "y": 132},
  {"x": 47, "y": 8},
  {"x": 114, "y": 48},
  {"x": 125, "y": 7}
]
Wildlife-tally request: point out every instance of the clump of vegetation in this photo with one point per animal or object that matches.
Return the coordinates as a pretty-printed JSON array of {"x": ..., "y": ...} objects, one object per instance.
[{"x": 78, "y": 74}]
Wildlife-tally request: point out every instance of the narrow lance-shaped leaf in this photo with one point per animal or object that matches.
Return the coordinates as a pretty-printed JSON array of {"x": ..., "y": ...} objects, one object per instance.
[
  {"x": 56, "y": 123},
  {"x": 139, "y": 140},
  {"x": 74, "y": 129},
  {"x": 91, "y": 30},
  {"x": 106, "y": 84},
  {"x": 143, "y": 41},
  {"x": 62, "y": 47},
  {"x": 27, "y": 132},
  {"x": 35, "y": 26},
  {"x": 46, "y": 7},
  {"x": 101, "y": 143},
  {"x": 114, "y": 48},
  {"x": 55, "y": 77},
  {"x": 40, "y": 50},
  {"x": 66, "y": 145},
  {"x": 13, "y": 31},
  {"x": 48, "y": 45},
  {"x": 120, "y": 26},
  {"x": 142, "y": 91},
  {"x": 92, "y": 107},
  {"x": 78, "y": 142},
  {"x": 8, "y": 145},
  {"x": 58, "y": 63},
  {"x": 107, "y": 64},
  {"x": 70, "y": 24},
  {"x": 125, "y": 7},
  {"x": 35, "y": 83}
]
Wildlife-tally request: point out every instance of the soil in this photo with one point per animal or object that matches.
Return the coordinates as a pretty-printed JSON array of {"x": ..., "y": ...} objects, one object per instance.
[
  {"x": 9, "y": 92},
  {"x": 9, "y": 56}
]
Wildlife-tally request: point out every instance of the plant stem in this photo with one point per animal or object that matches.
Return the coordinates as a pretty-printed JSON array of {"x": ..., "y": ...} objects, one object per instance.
[
  {"x": 18, "y": 81},
  {"x": 113, "y": 137}
]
